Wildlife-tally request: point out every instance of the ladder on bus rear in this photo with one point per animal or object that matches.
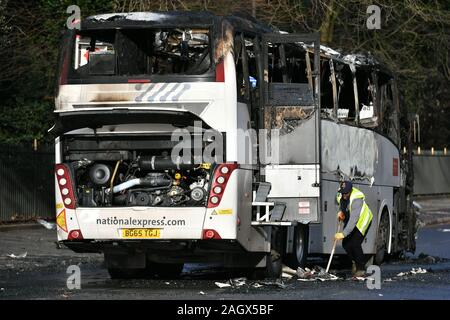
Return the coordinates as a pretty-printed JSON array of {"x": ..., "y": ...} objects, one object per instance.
[{"x": 267, "y": 213}]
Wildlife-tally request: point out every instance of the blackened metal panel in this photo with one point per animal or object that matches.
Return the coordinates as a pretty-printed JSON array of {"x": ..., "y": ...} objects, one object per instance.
[{"x": 27, "y": 184}]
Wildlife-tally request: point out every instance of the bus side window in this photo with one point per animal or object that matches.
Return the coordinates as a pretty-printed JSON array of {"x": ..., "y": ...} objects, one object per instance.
[
  {"x": 367, "y": 113},
  {"x": 388, "y": 113},
  {"x": 326, "y": 87},
  {"x": 346, "y": 96}
]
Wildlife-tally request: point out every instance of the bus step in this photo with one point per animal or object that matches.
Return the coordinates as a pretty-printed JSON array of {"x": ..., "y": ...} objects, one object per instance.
[
  {"x": 278, "y": 211},
  {"x": 263, "y": 191}
]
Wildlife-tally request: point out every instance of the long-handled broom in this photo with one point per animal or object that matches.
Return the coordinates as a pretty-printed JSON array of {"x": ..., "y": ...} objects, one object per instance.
[{"x": 334, "y": 247}]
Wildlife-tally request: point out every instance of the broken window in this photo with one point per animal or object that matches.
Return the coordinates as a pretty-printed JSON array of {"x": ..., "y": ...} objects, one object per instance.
[
  {"x": 287, "y": 78},
  {"x": 286, "y": 64},
  {"x": 326, "y": 87},
  {"x": 389, "y": 115},
  {"x": 367, "y": 113},
  {"x": 127, "y": 52},
  {"x": 346, "y": 96}
]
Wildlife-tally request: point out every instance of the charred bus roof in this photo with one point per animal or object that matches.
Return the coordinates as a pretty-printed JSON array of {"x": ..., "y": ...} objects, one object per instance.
[
  {"x": 171, "y": 19},
  {"x": 238, "y": 22}
]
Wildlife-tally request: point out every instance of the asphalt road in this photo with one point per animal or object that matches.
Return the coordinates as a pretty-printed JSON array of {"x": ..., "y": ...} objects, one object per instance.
[{"x": 42, "y": 275}]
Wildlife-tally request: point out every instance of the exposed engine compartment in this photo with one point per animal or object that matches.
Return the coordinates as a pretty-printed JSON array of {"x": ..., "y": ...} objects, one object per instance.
[{"x": 134, "y": 177}]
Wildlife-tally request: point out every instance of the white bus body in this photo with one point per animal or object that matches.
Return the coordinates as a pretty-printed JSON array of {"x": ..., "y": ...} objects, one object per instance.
[{"x": 115, "y": 125}]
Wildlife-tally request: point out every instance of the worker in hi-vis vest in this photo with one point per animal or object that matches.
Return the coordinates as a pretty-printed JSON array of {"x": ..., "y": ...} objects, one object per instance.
[{"x": 355, "y": 213}]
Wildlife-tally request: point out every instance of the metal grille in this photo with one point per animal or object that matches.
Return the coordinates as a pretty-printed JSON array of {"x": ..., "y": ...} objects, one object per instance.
[{"x": 26, "y": 183}]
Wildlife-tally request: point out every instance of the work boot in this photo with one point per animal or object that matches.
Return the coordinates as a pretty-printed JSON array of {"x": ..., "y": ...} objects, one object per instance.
[{"x": 353, "y": 267}]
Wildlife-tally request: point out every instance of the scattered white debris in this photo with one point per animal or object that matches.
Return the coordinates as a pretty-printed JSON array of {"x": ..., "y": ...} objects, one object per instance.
[
  {"x": 202, "y": 293},
  {"x": 380, "y": 294},
  {"x": 46, "y": 224},
  {"x": 238, "y": 282},
  {"x": 2, "y": 289},
  {"x": 257, "y": 285},
  {"x": 418, "y": 270},
  {"x": 288, "y": 272},
  {"x": 167, "y": 283},
  {"x": 222, "y": 285},
  {"x": 388, "y": 280},
  {"x": 317, "y": 273},
  {"x": 20, "y": 256},
  {"x": 413, "y": 271},
  {"x": 444, "y": 230}
]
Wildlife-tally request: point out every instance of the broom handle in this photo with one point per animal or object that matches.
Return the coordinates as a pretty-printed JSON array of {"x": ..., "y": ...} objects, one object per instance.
[{"x": 334, "y": 248}]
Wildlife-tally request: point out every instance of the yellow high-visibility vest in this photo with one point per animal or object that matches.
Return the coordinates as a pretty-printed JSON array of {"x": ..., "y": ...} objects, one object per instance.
[{"x": 365, "y": 216}]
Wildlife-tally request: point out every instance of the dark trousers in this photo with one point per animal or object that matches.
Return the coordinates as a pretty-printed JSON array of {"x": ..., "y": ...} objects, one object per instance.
[{"x": 352, "y": 245}]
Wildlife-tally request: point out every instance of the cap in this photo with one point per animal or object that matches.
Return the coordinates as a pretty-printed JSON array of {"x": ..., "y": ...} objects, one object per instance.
[{"x": 346, "y": 187}]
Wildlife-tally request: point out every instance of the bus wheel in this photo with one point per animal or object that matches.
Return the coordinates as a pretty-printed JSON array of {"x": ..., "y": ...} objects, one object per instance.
[
  {"x": 300, "y": 248},
  {"x": 164, "y": 270},
  {"x": 126, "y": 273},
  {"x": 274, "y": 259},
  {"x": 382, "y": 239}
]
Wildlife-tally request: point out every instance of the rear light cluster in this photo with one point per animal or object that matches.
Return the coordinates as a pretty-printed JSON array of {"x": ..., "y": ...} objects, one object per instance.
[
  {"x": 219, "y": 182},
  {"x": 65, "y": 185},
  {"x": 211, "y": 234},
  {"x": 75, "y": 235}
]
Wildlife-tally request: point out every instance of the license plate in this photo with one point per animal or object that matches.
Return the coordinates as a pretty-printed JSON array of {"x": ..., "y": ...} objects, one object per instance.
[{"x": 141, "y": 233}]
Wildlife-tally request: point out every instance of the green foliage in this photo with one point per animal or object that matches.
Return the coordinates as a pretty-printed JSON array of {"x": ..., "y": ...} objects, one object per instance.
[{"x": 26, "y": 120}]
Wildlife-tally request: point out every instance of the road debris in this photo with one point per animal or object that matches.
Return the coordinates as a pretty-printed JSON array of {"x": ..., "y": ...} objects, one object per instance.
[
  {"x": 46, "y": 224},
  {"x": 237, "y": 282},
  {"x": 317, "y": 273},
  {"x": 240, "y": 282},
  {"x": 202, "y": 293},
  {"x": 20, "y": 256},
  {"x": 413, "y": 271},
  {"x": 277, "y": 283},
  {"x": 288, "y": 272},
  {"x": 222, "y": 285}
]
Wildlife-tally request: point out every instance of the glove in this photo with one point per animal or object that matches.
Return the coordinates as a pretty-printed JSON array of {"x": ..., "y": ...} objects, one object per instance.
[
  {"x": 339, "y": 236},
  {"x": 341, "y": 216}
]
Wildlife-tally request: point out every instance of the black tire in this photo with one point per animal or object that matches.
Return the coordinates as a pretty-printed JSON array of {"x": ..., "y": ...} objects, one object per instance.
[
  {"x": 274, "y": 259},
  {"x": 122, "y": 273},
  {"x": 382, "y": 240},
  {"x": 300, "y": 248},
  {"x": 163, "y": 270}
]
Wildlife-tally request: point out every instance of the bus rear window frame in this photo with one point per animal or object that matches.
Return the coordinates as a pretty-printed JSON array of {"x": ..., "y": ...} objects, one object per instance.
[{"x": 208, "y": 76}]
